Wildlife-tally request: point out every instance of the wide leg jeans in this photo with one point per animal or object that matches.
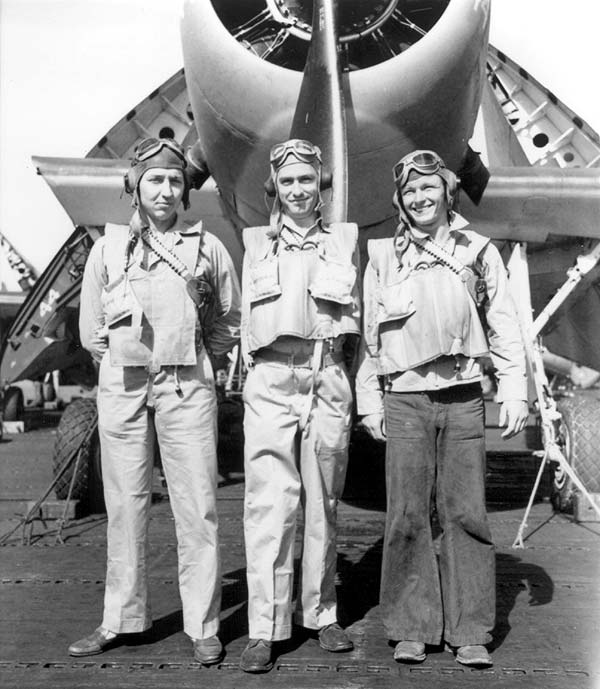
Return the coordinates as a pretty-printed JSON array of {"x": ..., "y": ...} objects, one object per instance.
[{"x": 436, "y": 451}]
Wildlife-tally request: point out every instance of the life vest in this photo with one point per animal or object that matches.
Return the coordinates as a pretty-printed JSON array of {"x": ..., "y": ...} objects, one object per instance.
[
  {"x": 303, "y": 293},
  {"x": 427, "y": 312},
  {"x": 151, "y": 319}
]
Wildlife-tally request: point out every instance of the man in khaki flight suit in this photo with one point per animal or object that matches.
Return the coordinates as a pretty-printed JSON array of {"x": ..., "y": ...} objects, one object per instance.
[
  {"x": 144, "y": 289},
  {"x": 299, "y": 303}
]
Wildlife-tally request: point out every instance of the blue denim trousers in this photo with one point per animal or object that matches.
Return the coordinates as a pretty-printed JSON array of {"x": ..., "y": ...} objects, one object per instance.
[{"x": 443, "y": 589}]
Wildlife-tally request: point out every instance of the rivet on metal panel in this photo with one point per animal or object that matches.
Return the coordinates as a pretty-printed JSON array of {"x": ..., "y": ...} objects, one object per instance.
[
  {"x": 25, "y": 664},
  {"x": 54, "y": 666},
  {"x": 111, "y": 666},
  {"x": 141, "y": 666},
  {"x": 513, "y": 671}
]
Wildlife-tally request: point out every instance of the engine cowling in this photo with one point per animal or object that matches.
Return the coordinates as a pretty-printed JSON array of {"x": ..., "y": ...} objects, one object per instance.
[{"x": 406, "y": 86}]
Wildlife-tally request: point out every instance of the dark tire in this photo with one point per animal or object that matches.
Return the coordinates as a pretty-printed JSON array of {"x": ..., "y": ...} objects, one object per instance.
[
  {"x": 13, "y": 404},
  {"x": 74, "y": 423},
  {"x": 580, "y": 441}
]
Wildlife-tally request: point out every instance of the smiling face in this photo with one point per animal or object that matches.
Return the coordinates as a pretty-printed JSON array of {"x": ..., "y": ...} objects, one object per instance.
[
  {"x": 424, "y": 199},
  {"x": 160, "y": 191},
  {"x": 298, "y": 190}
]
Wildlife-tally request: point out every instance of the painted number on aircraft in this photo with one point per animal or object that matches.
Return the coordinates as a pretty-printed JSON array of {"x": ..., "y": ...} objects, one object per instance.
[{"x": 46, "y": 306}]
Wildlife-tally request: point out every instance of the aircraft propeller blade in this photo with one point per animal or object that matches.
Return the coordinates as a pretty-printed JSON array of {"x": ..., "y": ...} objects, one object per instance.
[{"x": 320, "y": 113}]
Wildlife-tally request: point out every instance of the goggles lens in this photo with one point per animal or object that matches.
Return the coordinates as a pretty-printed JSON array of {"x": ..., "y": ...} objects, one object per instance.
[
  {"x": 150, "y": 147},
  {"x": 425, "y": 162},
  {"x": 301, "y": 148}
]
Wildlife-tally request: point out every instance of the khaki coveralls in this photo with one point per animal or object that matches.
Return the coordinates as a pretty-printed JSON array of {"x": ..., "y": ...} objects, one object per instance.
[
  {"x": 297, "y": 417},
  {"x": 156, "y": 376}
]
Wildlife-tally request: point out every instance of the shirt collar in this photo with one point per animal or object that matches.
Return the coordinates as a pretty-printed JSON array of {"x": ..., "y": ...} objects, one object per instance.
[
  {"x": 316, "y": 226},
  {"x": 457, "y": 223},
  {"x": 182, "y": 228}
]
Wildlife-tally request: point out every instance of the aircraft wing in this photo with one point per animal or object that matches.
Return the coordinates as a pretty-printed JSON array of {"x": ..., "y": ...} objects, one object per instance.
[
  {"x": 91, "y": 192},
  {"x": 532, "y": 203},
  {"x": 89, "y": 189},
  {"x": 557, "y": 212}
]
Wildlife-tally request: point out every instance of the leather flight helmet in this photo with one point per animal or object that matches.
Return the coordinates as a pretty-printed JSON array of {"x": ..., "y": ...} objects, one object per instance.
[
  {"x": 303, "y": 151},
  {"x": 152, "y": 153},
  {"x": 424, "y": 162}
]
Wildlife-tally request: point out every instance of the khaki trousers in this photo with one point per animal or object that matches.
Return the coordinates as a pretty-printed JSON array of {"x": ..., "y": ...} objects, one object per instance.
[
  {"x": 286, "y": 467},
  {"x": 184, "y": 417}
]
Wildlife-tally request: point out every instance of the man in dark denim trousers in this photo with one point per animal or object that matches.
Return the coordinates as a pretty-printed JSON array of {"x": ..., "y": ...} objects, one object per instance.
[{"x": 436, "y": 302}]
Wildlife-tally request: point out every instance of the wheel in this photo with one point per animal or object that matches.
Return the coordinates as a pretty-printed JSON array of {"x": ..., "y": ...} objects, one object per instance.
[
  {"x": 13, "y": 404},
  {"x": 580, "y": 440},
  {"x": 74, "y": 424}
]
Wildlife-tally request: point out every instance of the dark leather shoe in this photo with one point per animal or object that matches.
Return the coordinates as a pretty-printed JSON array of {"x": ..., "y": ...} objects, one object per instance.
[
  {"x": 92, "y": 645},
  {"x": 208, "y": 651},
  {"x": 256, "y": 657},
  {"x": 474, "y": 656},
  {"x": 334, "y": 639},
  {"x": 410, "y": 652}
]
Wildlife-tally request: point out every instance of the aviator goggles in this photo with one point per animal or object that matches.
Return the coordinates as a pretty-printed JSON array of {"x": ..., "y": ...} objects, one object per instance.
[
  {"x": 148, "y": 148},
  {"x": 424, "y": 162},
  {"x": 300, "y": 148}
]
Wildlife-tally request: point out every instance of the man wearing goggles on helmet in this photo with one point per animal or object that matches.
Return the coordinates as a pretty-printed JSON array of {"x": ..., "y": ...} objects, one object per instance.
[
  {"x": 145, "y": 290},
  {"x": 436, "y": 301},
  {"x": 300, "y": 303}
]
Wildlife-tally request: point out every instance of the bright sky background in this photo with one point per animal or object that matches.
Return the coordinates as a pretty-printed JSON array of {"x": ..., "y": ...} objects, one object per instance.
[{"x": 69, "y": 69}]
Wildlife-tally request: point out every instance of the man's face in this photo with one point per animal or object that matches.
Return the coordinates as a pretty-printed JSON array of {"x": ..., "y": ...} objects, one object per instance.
[
  {"x": 160, "y": 192},
  {"x": 424, "y": 199},
  {"x": 298, "y": 190}
]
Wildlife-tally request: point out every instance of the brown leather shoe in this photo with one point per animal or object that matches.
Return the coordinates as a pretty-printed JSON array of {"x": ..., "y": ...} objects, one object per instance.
[
  {"x": 474, "y": 656},
  {"x": 334, "y": 639},
  {"x": 208, "y": 651},
  {"x": 92, "y": 645},
  {"x": 256, "y": 657},
  {"x": 410, "y": 652}
]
